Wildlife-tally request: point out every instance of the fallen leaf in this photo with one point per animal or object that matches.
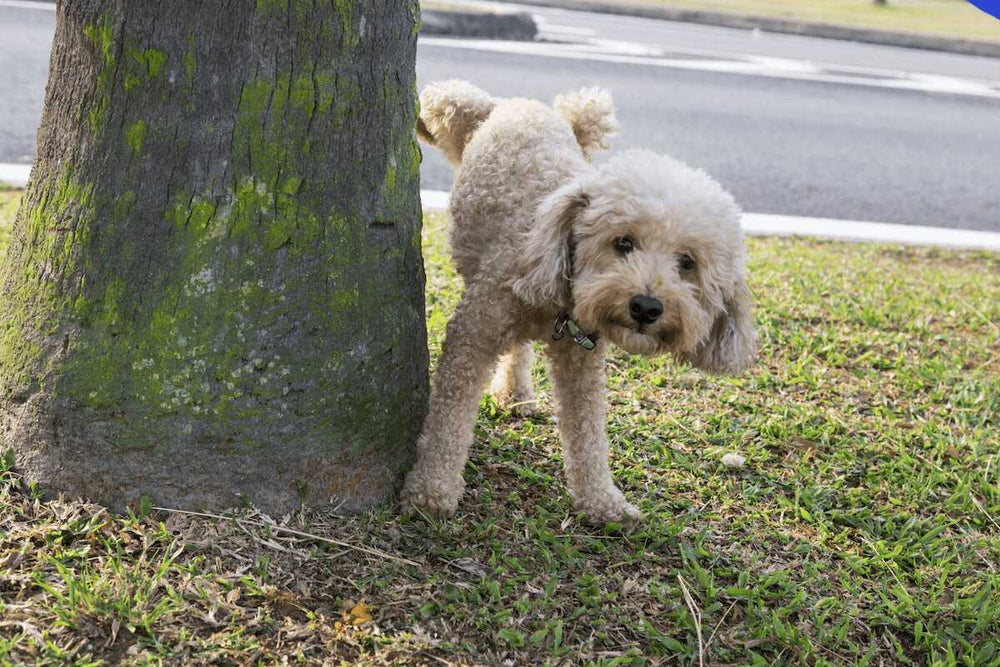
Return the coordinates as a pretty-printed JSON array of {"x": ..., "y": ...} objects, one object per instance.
[{"x": 359, "y": 614}]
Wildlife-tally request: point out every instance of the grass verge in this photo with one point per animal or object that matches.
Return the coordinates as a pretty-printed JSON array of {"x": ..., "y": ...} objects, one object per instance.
[
  {"x": 949, "y": 18},
  {"x": 862, "y": 529},
  {"x": 9, "y": 200}
]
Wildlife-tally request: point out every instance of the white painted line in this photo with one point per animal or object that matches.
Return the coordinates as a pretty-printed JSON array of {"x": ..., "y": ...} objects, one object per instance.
[
  {"x": 14, "y": 174},
  {"x": 785, "y": 64},
  {"x": 766, "y": 224},
  {"x": 776, "y": 68},
  {"x": 549, "y": 29},
  {"x": 28, "y": 4}
]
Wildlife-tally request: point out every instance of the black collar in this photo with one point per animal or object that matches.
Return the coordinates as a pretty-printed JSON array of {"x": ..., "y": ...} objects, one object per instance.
[{"x": 564, "y": 322}]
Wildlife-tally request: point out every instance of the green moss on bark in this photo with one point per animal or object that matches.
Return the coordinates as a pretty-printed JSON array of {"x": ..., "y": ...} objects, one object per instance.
[
  {"x": 150, "y": 61},
  {"x": 101, "y": 36},
  {"x": 135, "y": 133}
]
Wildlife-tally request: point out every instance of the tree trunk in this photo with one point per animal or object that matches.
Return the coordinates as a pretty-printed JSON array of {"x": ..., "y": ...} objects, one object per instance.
[{"x": 214, "y": 290}]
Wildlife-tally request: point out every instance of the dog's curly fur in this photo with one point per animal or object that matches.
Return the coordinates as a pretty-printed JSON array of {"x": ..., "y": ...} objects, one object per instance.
[{"x": 538, "y": 231}]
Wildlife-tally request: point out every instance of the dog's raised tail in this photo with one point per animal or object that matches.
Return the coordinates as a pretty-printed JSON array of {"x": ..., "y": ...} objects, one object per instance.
[
  {"x": 591, "y": 114},
  {"x": 450, "y": 113}
]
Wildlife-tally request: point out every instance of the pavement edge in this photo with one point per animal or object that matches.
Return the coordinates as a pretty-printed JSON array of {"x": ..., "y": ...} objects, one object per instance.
[{"x": 457, "y": 21}]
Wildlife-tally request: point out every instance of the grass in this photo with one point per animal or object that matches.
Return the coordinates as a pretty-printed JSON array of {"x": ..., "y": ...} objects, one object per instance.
[
  {"x": 954, "y": 18},
  {"x": 862, "y": 529},
  {"x": 9, "y": 199}
]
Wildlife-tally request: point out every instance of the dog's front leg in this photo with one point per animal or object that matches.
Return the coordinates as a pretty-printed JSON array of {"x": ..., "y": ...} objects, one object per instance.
[
  {"x": 474, "y": 339},
  {"x": 579, "y": 388}
]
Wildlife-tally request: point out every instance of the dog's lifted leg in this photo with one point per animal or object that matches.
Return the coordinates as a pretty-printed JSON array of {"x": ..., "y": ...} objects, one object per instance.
[
  {"x": 512, "y": 386},
  {"x": 472, "y": 343},
  {"x": 579, "y": 387}
]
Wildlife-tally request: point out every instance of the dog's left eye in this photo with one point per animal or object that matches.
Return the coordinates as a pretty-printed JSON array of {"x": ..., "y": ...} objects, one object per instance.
[
  {"x": 624, "y": 245},
  {"x": 686, "y": 262}
]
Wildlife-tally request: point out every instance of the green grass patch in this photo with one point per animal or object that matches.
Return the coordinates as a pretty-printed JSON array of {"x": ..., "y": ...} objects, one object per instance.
[
  {"x": 862, "y": 529},
  {"x": 9, "y": 201},
  {"x": 953, "y": 18}
]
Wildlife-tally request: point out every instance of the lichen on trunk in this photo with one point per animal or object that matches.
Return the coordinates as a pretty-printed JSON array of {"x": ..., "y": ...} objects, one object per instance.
[{"x": 214, "y": 288}]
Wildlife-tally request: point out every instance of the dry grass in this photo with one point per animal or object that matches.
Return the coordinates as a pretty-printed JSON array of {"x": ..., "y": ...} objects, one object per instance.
[{"x": 862, "y": 529}]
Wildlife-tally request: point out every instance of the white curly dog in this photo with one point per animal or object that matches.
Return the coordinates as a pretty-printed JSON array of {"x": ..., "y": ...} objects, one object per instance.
[{"x": 641, "y": 251}]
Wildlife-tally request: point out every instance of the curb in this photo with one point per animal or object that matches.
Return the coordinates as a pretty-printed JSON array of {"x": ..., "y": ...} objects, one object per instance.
[
  {"x": 14, "y": 175},
  {"x": 850, "y": 231},
  {"x": 510, "y": 25},
  {"x": 972, "y": 47}
]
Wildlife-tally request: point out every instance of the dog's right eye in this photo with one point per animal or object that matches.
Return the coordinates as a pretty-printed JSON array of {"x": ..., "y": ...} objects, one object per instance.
[{"x": 624, "y": 245}]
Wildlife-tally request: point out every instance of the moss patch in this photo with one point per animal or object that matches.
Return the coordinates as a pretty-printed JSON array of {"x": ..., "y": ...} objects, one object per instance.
[{"x": 135, "y": 133}]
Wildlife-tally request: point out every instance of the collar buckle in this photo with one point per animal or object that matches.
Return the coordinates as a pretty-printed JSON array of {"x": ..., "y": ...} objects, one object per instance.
[
  {"x": 564, "y": 323},
  {"x": 560, "y": 327}
]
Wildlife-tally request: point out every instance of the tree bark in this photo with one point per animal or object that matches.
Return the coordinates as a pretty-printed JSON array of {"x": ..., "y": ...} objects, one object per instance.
[{"x": 214, "y": 290}]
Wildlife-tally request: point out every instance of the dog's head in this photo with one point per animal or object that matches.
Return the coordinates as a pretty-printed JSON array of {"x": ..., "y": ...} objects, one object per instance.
[{"x": 649, "y": 253}]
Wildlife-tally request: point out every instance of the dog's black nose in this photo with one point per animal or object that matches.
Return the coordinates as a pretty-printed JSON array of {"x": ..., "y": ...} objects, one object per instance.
[{"x": 645, "y": 309}]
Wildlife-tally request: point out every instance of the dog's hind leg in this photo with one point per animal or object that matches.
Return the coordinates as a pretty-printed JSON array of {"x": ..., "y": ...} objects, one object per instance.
[
  {"x": 474, "y": 338},
  {"x": 578, "y": 388},
  {"x": 512, "y": 386}
]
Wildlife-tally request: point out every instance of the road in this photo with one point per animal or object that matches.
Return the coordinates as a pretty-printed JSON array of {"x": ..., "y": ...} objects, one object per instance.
[
  {"x": 791, "y": 125},
  {"x": 25, "y": 42}
]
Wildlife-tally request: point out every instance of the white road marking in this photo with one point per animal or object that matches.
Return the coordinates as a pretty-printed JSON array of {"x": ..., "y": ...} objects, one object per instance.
[
  {"x": 595, "y": 45},
  {"x": 550, "y": 29},
  {"x": 28, "y": 4},
  {"x": 631, "y": 53},
  {"x": 766, "y": 224},
  {"x": 754, "y": 224}
]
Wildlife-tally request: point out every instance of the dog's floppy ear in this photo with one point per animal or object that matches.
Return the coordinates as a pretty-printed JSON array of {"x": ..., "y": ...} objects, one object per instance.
[
  {"x": 547, "y": 262},
  {"x": 731, "y": 347}
]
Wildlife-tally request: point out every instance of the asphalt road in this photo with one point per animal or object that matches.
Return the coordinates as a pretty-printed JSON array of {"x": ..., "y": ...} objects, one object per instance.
[
  {"x": 25, "y": 42},
  {"x": 812, "y": 146}
]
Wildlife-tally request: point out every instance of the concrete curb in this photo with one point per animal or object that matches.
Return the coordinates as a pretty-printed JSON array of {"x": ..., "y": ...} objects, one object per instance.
[
  {"x": 785, "y": 26},
  {"x": 852, "y": 231},
  {"x": 512, "y": 25},
  {"x": 14, "y": 175}
]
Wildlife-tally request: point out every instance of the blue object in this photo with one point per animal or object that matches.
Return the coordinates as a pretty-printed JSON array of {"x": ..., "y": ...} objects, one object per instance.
[{"x": 991, "y": 7}]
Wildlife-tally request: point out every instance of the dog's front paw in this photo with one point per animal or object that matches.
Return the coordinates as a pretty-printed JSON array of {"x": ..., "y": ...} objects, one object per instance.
[
  {"x": 605, "y": 507},
  {"x": 421, "y": 494}
]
